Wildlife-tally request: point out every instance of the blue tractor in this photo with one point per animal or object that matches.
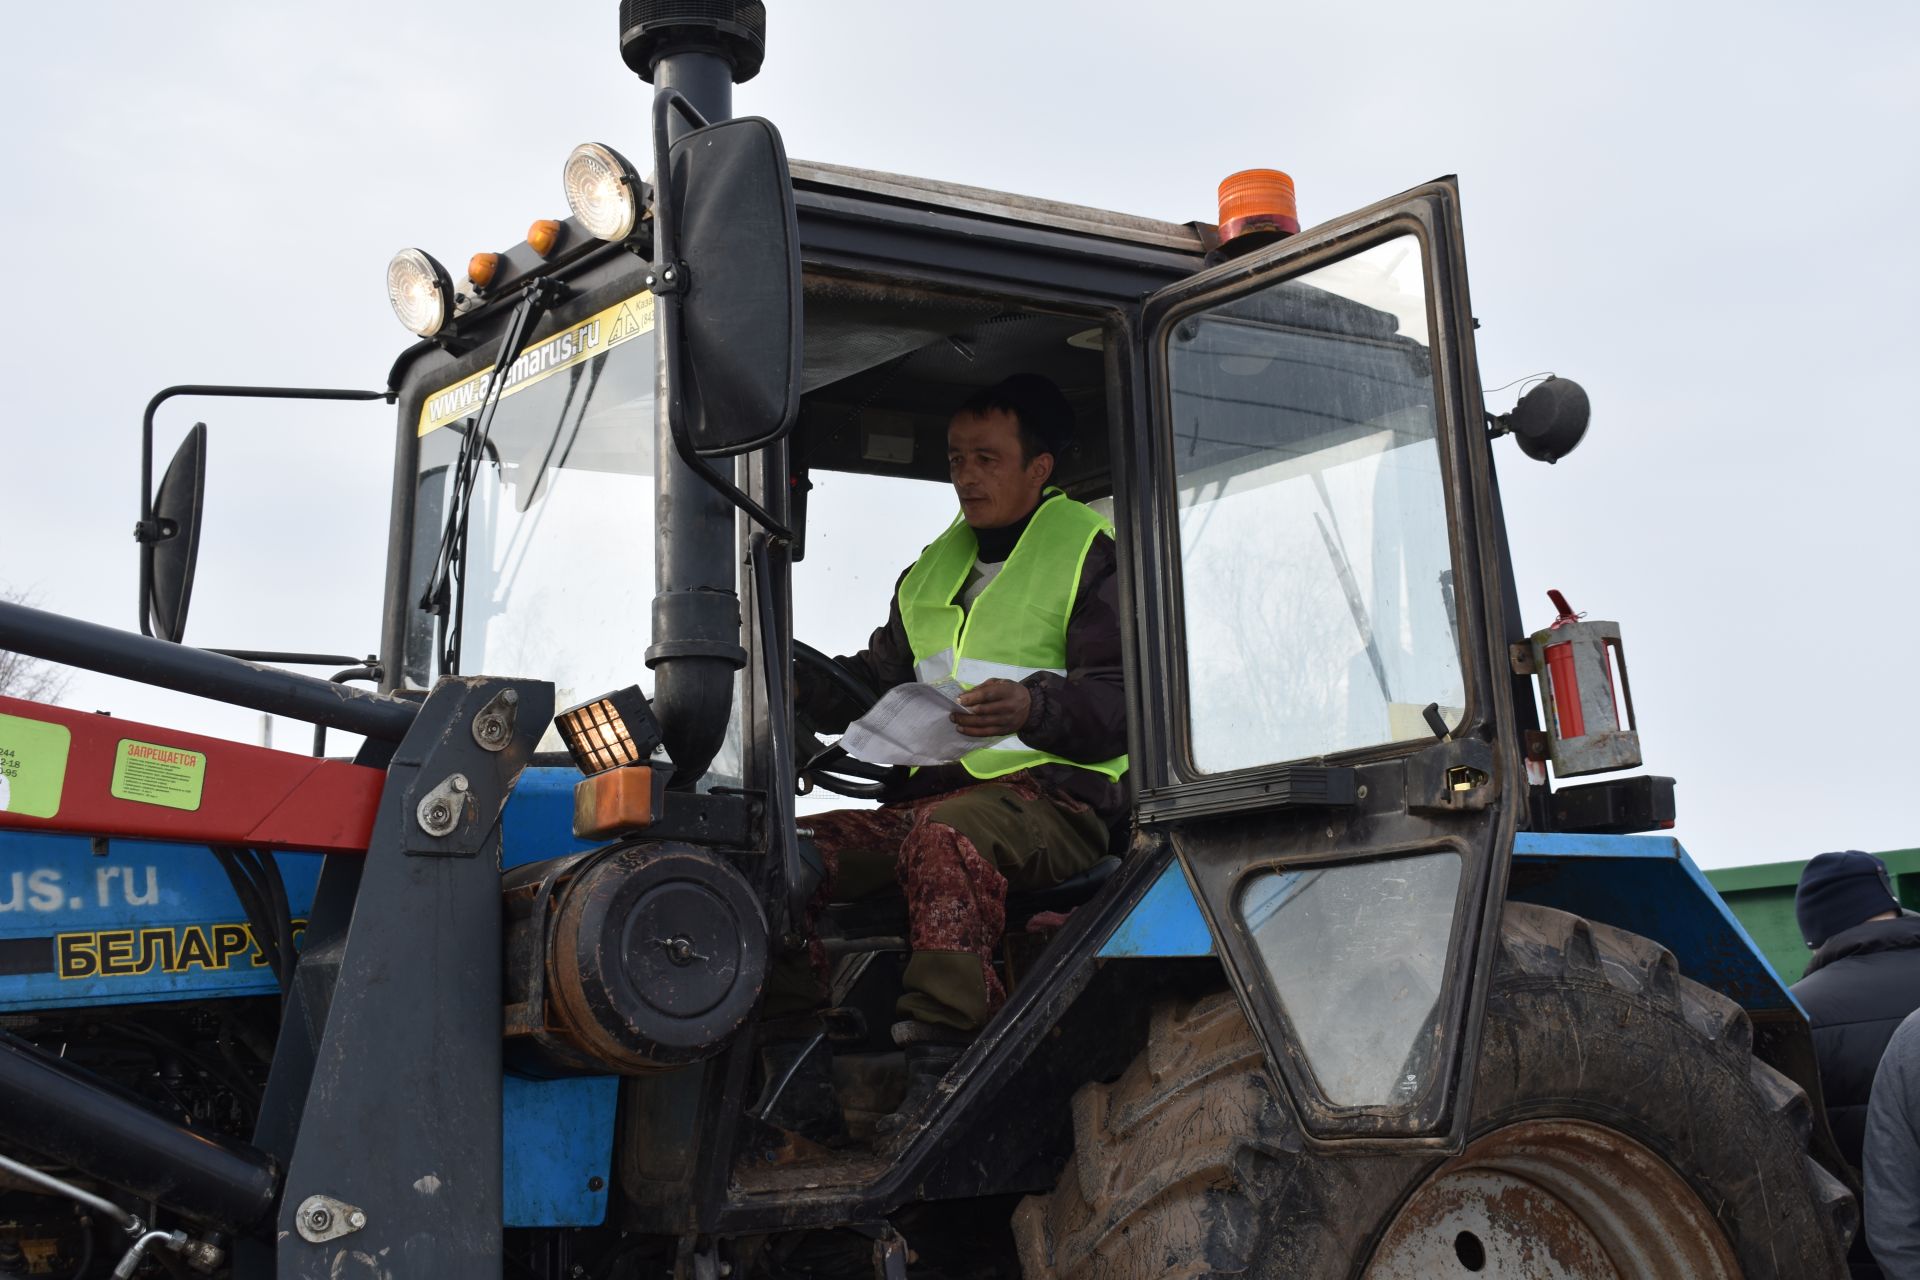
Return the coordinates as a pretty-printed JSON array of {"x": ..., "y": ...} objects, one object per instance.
[{"x": 1362, "y": 989}]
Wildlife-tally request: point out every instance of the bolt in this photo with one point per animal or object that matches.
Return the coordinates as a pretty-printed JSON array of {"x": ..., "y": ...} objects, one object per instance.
[
  {"x": 356, "y": 1219},
  {"x": 439, "y": 815},
  {"x": 595, "y": 1183},
  {"x": 319, "y": 1218},
  {"x": 510, "y": 697},
  {"x": 459, "y": 782},
  {"x": 680, "y": 950},
  {"x": 1360, "y": 792}
]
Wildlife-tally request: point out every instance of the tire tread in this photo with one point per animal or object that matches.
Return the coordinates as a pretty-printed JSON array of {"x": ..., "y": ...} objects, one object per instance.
[{"x": 1179, "y": 1162}]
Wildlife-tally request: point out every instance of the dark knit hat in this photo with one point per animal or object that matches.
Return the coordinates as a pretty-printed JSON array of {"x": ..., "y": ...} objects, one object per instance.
[{"x": 1840, "y": 890}]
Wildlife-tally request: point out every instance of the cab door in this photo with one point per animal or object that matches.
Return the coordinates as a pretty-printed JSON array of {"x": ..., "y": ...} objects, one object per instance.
[{"x": 1326, "y": 726}]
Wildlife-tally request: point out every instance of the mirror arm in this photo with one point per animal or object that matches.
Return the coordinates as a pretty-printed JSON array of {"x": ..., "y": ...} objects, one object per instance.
[
  {"x": 144, "y": 532},
  {"x": 668, "y": 280},
  {"x": 286, "y": 658},
  {"x": 666, "y": 247},
  {"x": 370, "y": 672},
  {"x": 683, "y": 445}
]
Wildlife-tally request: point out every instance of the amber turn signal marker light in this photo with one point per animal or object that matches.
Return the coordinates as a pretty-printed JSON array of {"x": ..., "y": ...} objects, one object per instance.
[
  {"x": 1257, "y": 200},
  {"x": 481, "y": 268},
  {"x": 543, "y": 235},
  {"x": 617, "y": 801}
]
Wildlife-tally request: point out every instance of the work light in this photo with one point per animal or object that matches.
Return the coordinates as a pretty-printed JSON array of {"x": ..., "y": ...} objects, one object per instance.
[
  {"x": 602, "y": 190},
  {"x": 420, "y": 290},
  {"x": 610, "y": 731}
]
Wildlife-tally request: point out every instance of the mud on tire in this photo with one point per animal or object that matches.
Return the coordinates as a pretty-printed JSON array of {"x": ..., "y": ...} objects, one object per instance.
[{"x": 1190, "y": 1163}]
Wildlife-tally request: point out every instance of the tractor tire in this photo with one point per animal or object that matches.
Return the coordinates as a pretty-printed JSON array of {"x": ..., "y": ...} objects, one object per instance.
[{"x": 1620, "y": 1126}]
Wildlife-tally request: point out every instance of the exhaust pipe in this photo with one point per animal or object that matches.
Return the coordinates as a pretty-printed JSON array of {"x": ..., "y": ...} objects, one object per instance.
[{"x": 701, "y": 48}]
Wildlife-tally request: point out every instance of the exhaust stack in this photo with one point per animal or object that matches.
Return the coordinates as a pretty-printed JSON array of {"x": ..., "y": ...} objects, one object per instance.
[{"x": 700, "y": 48}]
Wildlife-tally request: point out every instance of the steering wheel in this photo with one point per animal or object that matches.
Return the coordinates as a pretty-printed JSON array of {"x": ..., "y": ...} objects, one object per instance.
[{"x": 825, "y": 765}]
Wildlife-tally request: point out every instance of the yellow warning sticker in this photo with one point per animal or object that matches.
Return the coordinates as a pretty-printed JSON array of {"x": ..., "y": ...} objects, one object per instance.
[
  {"x": 33, "y": 766},
  {"x": 594, "y": 336},
  {"x": 149, "y": 773}
]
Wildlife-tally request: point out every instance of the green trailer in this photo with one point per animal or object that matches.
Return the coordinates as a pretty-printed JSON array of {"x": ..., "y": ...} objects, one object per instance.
[{"x": 1762, "y": 896}]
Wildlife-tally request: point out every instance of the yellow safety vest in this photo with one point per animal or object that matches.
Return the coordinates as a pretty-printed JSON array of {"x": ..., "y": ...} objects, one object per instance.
[{"x": 1016, "y": 627}]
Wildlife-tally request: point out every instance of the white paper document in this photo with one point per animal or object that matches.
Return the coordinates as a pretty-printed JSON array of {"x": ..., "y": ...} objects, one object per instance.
[{"x": 910, "y": 725}]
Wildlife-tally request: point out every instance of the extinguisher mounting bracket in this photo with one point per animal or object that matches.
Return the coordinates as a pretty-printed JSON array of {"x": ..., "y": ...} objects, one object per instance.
[{"x": 1590, "y": 725}]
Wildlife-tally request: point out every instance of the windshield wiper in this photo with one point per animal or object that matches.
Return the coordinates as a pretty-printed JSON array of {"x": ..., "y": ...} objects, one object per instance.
[
  {"x": 445, "y": 593},
  {"x": 1343, "y": 570}
]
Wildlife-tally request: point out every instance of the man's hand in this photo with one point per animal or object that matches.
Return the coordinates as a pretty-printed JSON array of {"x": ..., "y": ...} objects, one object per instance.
[{"x": 998, "y": 708}]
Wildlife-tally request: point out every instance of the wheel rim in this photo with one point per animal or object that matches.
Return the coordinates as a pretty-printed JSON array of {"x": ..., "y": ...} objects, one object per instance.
[{"x": 1553, "y": 1199}]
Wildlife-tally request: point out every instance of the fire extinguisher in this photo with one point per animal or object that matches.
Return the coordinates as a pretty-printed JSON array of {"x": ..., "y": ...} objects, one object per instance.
[{"x": 1574, "y": 661}]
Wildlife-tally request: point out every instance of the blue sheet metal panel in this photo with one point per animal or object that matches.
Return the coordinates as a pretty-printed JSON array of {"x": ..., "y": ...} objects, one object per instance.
[
  {"x": 1165, "y": 922},
  {"x": 556, "y": 1150},
  {"x": 1649, "y": 886},
  {"x": 538, "y": 821},
  {"x": 149, "y": 921},
  {"x": 145, "y": 922}
]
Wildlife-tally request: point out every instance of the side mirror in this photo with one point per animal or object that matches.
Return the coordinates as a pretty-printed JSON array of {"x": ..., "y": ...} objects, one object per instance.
[
  {"x": 170, "y": 541},
  {"x": 730, "y": 213},
  {"x": 1550, "y": 420}
]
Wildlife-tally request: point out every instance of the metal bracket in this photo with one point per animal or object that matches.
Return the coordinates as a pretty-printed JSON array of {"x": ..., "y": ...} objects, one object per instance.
[
  {"x": 890, "y": 1258},
  {"x": 322, "y": 1218},
  {"x": 1450, "y": 777},
  {"x": 424, "y": 1157},
  {"x": 440, "y": 810},
  {"x": 671, "y": 278},
  {"x": 493, "y": 726}
]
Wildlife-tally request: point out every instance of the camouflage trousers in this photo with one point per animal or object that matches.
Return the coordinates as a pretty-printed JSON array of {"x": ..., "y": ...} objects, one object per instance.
[{"x": 954, "y": 856}]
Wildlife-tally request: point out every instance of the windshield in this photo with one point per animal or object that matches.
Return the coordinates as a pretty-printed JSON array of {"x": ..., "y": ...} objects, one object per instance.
[{"x": 559, "y": 566}]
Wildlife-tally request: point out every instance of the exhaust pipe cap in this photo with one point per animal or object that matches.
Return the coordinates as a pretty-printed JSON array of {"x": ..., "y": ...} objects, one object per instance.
[{"x": 734, "y": 29}]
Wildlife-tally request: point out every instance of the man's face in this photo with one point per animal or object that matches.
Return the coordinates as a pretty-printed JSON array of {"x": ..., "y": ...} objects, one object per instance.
[{"x": 994, "y": 485}]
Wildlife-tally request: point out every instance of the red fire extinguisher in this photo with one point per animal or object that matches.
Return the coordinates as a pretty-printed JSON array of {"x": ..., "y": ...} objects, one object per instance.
[{"x": 1573, "y": 659}]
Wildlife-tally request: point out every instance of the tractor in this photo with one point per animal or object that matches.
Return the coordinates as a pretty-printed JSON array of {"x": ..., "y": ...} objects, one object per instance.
[{"x": 1363, "y": 988}]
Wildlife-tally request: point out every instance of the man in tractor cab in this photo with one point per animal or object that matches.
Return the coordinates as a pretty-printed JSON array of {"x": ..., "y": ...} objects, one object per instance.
[{"x": 1017, "y": 600}]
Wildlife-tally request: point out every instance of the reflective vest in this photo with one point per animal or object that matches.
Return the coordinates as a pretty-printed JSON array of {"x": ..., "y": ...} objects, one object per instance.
[{"x": 1016, "y": 627}]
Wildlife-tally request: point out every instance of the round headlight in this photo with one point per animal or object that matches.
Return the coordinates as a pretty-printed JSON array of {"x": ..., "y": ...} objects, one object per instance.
[
  {"x": 602, "y": 190},
  {"x": 421, "y": 292}
]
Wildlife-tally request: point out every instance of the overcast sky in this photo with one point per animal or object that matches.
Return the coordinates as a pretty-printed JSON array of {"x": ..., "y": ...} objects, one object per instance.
[{"x": 1699, "y": 211}]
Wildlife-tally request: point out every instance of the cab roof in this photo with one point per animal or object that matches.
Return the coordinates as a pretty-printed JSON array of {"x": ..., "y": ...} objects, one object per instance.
[{"x": 1183, "y": 237}]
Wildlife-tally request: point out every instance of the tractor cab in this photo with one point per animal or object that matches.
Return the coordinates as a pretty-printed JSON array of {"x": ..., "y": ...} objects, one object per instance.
[{"x": 1275, "y": 425}]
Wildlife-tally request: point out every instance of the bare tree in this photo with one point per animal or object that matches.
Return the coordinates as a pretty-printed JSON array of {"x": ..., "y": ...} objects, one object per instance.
[{"x": 24, "y": 677}]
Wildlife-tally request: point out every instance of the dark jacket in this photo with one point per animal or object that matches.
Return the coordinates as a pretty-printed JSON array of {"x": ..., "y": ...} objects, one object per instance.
[
  {"x": 1081, "y": 716},
  {"x": 1859, "y": 985},
  {"x": 1892, "y": 1168}
]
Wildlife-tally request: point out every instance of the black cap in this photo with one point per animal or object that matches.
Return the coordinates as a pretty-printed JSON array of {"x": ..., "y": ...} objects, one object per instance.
[{"x": 1840, "y": 890}]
